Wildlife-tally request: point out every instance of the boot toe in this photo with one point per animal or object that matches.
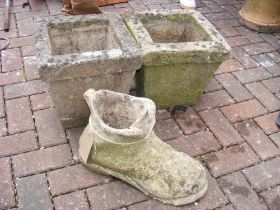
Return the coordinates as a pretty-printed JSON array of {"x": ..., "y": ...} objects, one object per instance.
[
  {"x": 191, "y": 180},
  {"x": 180, "y": 179}
]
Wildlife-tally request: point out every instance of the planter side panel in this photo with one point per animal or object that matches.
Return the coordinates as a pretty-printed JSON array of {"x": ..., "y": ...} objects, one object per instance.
[
  {"x": 68, "y": 95},
  {"x": 172, "y": 85}
]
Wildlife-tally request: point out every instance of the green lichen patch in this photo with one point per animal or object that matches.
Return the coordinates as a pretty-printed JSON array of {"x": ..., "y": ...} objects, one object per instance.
[{"x": 172, "y": 85}]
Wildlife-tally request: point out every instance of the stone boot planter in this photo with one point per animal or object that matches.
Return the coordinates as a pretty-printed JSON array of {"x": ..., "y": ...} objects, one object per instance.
[
  {"x": 82, "y": 52},
  {"x": 181, "y": 50},
  {"x": 119, "y": 141}
]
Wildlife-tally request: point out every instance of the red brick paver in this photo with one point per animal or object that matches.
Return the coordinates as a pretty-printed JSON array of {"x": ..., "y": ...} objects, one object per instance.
[
  {"x": 30, "y": 68},
  {"x": 272, "y": 84},
  {"x": 26, "y": 27},
  {"x": 230, "y": 65},
  {"x": 237, "y": 41},
  {"x": 189, "y": 121},
  {"x": 275, "y": 138},
  {"x": 252, "y": 75},
  {"x": 240, "y": 55},
  {"x": 73, "y": 178},
  {"x": 234, "y": 87},
  {"x": 231, "y": 159},
  {"x": 18, "y": 143},
  {"x": 196, "y": 144},
  {"x": 249, "y": 34},
  {"x": 113, "y": 195},
  {"x": 2, "y": 104},
  {"x": 258, "y": 48},
  {"x": 12, "y": 77},
  {"x": 243, "y": 110},
  {"x": 27, "y": 199},
  {"x": 49, "y": 129},
  {"x": 213, "y": 85},
  {"x": 24, "y": 89},
  {"x": 75, "y": 200},
  {"x": 73, "y": 136},
  {"x": 231, "y": 129},
  {"x": 3, "y": 127},
  {"x": 268, "y": 63},
  {"x": 240, "y": 193},
  {"x": 19, "y": 115},
  {"x": 163, "y": 114},
  {"x": 7, "y": 195},
  {"x": 213, "y": 100},
  {"x": 167, "y": 129},
  {"x": 264, "y": 175},
  {"x": 267, "y": 122},
  {"x": 41, "y": 101},
  {"x": 275, "y": 56},
  {"x": 42, "y": 160},
  {"x": 21, "y": 41},
  {"x": 271, "y": 198},
  {"x": 11, "y": 60},
  {"x": 256, "y": 138},
  {"x": 221, "y": 128},
  {"x": 213, "y": 198},
  {"x": 264, "y": 96}
]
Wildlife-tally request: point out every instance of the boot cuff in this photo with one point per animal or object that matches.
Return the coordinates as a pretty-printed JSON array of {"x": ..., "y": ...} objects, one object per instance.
[{"x": 127, "y": 118}]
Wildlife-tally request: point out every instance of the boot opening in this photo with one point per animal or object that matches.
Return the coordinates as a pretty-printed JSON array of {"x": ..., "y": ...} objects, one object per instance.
[{"x": 117, "y": 110}]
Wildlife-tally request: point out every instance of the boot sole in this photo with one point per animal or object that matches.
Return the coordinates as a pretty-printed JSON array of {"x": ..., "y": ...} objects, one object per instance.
[{"x": 177, "y": 202}]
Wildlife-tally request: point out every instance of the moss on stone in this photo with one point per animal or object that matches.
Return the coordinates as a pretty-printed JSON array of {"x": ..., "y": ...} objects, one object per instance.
[
  {"x": 176, "y": 70},
  {"x": 171, "y": 85},
  {"x": 176, "y": 18}
]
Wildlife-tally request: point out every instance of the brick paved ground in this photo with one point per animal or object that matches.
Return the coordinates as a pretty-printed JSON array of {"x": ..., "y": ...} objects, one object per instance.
[{"x": 231, "y": 130}]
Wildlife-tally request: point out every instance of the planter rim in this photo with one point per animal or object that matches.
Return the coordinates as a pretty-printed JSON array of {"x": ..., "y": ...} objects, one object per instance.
[
  {"x": 217, "y": 48},
  {"x": 51, "y": 67}
]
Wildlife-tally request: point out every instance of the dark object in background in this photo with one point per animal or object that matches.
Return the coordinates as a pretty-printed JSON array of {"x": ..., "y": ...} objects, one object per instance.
[
  {"x": 179, "y": 108},
  {"x": 5, "y": 45},
  {"x": 80, "y": 7},
  {"x": 7, "y": 16},
  {"x": 278, "y": 120}
]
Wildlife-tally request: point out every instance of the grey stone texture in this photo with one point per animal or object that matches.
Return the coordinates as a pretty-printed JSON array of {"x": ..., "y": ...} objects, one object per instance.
[
  {"x": 181, "y": 50},
  {"x": 239, "y": 192},
  {"x": 119, "y": 141},
  {"x": 264, "y": 175},
  {"x": 101, "y": 55},
  {"x": 28, "y": 199}
]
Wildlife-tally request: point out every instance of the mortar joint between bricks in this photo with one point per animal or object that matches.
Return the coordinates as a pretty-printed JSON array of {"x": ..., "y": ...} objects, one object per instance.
[
  {"x": 44, "y": 171},
  {"x": 83, "y": 188},
  {"x": 87, "y": 199},
  {"x": 241, "y": 171},
  {"x": 14, "y": 182},
  {"x": 49, "y": 189}
]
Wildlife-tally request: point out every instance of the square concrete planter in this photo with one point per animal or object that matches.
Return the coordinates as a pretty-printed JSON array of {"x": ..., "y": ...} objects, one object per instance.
[
  {"x": 82, "y": 52},
  {"x": 181, "y": 50}
]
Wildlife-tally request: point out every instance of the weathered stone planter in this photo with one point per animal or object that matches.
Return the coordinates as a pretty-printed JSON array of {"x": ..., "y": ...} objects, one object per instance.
[
  {"x": 82, "y": 52},
  {"x": 181, "y": 50}
]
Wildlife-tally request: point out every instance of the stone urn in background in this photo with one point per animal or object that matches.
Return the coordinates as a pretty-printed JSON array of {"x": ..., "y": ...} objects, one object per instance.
[{"x": 261, "y": 15}]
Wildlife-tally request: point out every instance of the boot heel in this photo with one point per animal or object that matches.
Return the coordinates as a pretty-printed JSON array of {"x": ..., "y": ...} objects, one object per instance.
[{"x": 94, "y": 168}]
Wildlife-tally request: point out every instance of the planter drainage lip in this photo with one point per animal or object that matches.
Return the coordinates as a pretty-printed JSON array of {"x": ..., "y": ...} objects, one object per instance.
[
  {"x": 52, "y": 67},
  {"x": 213, "y": 51}
]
